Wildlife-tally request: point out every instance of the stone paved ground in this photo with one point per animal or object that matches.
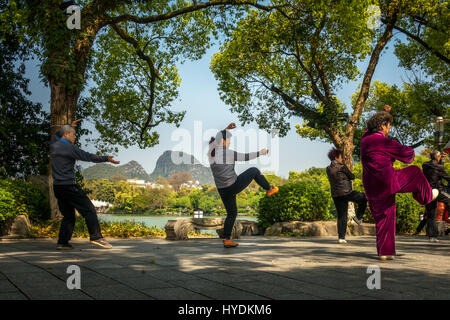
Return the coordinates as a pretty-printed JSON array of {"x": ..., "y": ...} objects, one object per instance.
[{"x": 260, "y": 268}]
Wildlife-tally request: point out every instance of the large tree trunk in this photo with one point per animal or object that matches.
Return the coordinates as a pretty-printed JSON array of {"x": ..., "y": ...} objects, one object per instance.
[
  {"x": 66, "y": 85},
  {"x": 62, "y": 109}
]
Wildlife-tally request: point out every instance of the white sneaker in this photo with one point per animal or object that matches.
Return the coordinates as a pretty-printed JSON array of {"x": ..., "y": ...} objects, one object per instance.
[
  {"x": 342, "y": 241},
  {"x": 435, "y": 193},
  {"x": 434, "y": 240}
]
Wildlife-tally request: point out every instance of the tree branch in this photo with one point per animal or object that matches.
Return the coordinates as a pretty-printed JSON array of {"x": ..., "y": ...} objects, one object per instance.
[
  {"x": 153, "y": 75},
  {"x": 195, "y": 7},
  {"x": 365, "y": 87},
  {"x": 314, "y": 87},
  {"x": 308, "y": 112},
  {"x": 421, "y": 42},
  {"x": 418, "y": 144}
]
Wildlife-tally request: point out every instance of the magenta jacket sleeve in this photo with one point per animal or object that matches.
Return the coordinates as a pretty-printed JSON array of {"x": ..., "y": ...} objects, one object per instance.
[{"x": 399, "y": 152}]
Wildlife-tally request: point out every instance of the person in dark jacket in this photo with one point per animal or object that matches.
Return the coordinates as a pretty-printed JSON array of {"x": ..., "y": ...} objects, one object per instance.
[
  {"x": 70, "y": 196},
  {"x": 342, "y": 192},
  {"x": 435, "y": 173}
]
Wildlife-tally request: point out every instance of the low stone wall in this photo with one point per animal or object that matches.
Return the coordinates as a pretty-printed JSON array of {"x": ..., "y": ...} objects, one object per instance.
[
  {"x": 318, "y": 228},
  {"x": 17, "y": 227},
  {"x": 178, "y": 229}
]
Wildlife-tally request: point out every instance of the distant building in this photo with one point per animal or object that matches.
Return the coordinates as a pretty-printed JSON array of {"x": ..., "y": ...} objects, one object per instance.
[
  {"x": 101, "y": 206},
  {"x": 136, "y": 181},
  {"x": 145, "y": 184},
  {"x": 191, "y": 184}
]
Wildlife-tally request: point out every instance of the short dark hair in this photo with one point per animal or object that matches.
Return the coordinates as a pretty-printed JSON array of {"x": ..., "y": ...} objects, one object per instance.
[
  {"x": 334, "y": 153},
  {"x": 377, "y": 120}
]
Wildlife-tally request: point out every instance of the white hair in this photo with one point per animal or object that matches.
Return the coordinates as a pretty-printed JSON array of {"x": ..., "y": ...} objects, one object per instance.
[
  {"x": 435, "y": 154},
  {"x": 65, "y": 129}
]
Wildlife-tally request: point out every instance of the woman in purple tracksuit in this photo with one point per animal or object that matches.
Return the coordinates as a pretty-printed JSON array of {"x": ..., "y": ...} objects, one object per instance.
[{"x": 381, "y": 181}]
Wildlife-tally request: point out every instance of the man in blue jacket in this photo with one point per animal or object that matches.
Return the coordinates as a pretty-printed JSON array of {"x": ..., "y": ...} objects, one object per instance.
[{"x": 70, "y": 196}]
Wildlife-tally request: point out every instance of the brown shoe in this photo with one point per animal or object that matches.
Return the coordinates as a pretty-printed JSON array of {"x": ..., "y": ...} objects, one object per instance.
[
  {"x": 272, "y": 191},
  {"x": 227, "y": 243}
]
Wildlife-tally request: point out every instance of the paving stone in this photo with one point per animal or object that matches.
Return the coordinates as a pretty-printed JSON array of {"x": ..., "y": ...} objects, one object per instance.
[
  {"x": 55, "y": 293},
  {"x": 144, "y": 282},
  {"x": 273, "y": 290},
  {"x": 217, "y": 291},
  {"x": 172, "y": 275},
  {"x": 174, "y": 294},
  {"x": 115, "y": 292},
  {"x": 260, "y": 268},
  {"x": 224, "y": 277},
  {"x": 12, "y": 296},
  {"x": 6, "y": 286},
  {"x": 34, "y": 280},
  {"x": 14, "y": 268}
]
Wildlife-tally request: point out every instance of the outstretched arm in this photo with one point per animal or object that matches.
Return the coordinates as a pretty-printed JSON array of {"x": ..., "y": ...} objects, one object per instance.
[
  {"x": 86, "y": 156},
  {"x": 81, "y": 155},
  {"x": 249, "y": 156}
]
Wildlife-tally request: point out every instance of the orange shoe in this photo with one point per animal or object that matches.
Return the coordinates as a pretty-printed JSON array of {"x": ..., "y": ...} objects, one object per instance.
[
  {"x": 227, "y": 243},
  {"x": 271, "y": 191}
]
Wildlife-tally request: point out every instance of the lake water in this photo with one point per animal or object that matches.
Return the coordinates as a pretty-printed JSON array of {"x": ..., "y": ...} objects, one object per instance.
[{"x": 159, "y": 221}]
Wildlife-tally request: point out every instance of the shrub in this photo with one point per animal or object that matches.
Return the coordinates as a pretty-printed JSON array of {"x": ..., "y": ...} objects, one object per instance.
[
  {"x": 295, "y": 201},
  {"x": 407, "y": 213},
  {"x": 125, "y": 229},
  {"x": 20, "y": 197}
]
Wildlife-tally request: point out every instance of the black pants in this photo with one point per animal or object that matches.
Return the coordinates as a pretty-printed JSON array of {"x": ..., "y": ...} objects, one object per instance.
[
  {"x": 229, "y": 193},
  {"x": 432, "y": 230},
  {"x": 421, "y": 225},
  {"x": 71, "y": 197},
  {"x": 341, "y": 204}
]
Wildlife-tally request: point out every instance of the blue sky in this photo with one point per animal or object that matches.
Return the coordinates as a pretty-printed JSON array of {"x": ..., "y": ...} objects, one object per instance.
[{"x": 199, "y": 96}]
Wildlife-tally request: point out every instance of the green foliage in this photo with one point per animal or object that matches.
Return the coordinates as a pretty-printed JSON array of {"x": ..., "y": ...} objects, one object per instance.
[
  {"x": 277, "y": 65},
  {"x": 130, "y": 199},
  {"x": 134, "y": 73},
  {"x": 19, "y": 197},
  {"x": 407, "y": 213},
  {"x": 295, "y": 201},
  {"x": 428, "y": 21},
  {"x": 273, "y": 180},
  {"x": 208, "y": 203},
  {"x": 131, "y": 64},
  {"x": 125, "y": 229},
  {"x": 415, "y": 108},
  {"x": 281, "y": 64},
  {"x": 24, "y": 126},
  {"x": 102, "y": 189}
]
